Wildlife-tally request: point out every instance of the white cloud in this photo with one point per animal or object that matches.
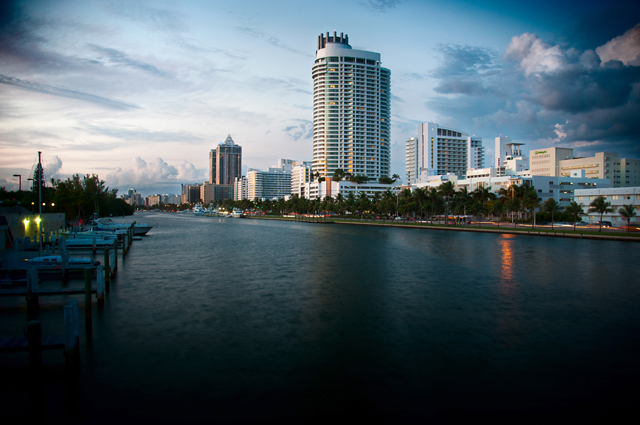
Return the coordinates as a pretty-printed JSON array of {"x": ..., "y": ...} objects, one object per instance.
[
  {"x": 534, "y": 55},
  {"x": 155, "y": 176},
  {"x": 560, "y": 132},
  {"x": 624, "y": 48}
]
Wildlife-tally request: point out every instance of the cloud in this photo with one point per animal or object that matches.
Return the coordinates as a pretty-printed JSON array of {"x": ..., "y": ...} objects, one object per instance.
[
  {"x": 465, "y": 70},
  {"x": 156, "y": 176},
  {"x": 138, "y": 134},
  {"x": 52, "y": 168},
  {"x": 624, "y": 48},
  {"x": 382, "y": 5},
  {"x": 274, "y": 41},
  {"x": 534, "y": 55},
  {"x": 120, "y": 58},
  {"x": 155, "y": 18},
  {"x": 71, "y": 94},
  {"x": 303, "y": 130},
  {"x": 578, "y": 89}
]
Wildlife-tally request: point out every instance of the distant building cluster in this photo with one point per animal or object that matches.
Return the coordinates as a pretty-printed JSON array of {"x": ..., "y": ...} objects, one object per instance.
[{"x": 351, "y": 149}]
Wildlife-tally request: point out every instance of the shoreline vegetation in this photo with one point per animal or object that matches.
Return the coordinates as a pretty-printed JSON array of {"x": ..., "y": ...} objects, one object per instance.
[{"x": 504, "y": 228}]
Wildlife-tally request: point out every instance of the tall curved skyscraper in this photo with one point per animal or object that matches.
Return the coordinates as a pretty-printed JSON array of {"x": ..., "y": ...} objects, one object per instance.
[{"x": 351, "y": 110}]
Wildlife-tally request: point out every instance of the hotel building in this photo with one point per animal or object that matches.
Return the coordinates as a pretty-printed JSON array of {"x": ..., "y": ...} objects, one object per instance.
[
  {"x": 546, "y": 162},
  {"x": 351, "y": 110},
  {"x": 622, "y": 172},
  {"x": 441, "y": 150}
]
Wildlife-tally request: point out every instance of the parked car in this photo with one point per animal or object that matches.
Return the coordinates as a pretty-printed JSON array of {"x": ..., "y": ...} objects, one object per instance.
[{"x": 601, "y": 223}]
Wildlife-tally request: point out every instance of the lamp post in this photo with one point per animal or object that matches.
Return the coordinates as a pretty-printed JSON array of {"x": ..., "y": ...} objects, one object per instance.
[{"x": 19, "y": 181}]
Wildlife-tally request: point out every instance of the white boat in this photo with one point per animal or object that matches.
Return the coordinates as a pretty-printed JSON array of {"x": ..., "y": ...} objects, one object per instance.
[
  {"x": 236, "y": 214},
  {"x": 107, "y": 225},
  {"x": 56, "y": 260},
  {"x": 198, "y": 210}
]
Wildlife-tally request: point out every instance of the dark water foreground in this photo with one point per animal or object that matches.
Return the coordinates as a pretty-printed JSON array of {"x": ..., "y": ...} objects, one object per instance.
[{"x": 246, "y": 321}]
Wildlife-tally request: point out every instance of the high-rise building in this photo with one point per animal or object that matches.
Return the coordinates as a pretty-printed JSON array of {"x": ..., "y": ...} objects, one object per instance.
[
  {"x": 225, "y": 162},
  {"x": 411, "y": 158},
  {"x": 351, "y": 110},
  {"x": 440, "y": 150},
  {"x": 501, "y": 151}
]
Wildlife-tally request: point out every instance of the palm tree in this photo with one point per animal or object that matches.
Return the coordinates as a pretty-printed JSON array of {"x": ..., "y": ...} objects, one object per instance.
[
  {"x": 627, "y": 212},
  {"x": 420, "y": 196},
  {"x": 600, "y": 206},
  {"x": 575, "y": 210},
  {"x": 447, "y": 189},
  {"x": 514, "y": 205},
  {"x": 532, "y": 202},
  {"x": 483, "y": 194},
  {"x": 552, "y": 207}
]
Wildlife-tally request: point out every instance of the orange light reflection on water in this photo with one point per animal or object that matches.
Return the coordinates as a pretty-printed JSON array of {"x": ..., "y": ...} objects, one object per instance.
[{"x": 507, "y": 282}]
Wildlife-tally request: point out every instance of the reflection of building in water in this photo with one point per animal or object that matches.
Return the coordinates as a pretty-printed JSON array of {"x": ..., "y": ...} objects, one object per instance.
[{"x": 507, "y": 283}]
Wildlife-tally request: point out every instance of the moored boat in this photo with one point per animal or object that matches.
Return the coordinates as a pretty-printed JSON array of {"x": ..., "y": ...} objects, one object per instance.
[{"x": 105, "y": 224}]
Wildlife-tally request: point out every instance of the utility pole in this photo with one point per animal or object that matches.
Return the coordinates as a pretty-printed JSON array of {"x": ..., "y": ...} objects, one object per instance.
[
  {"x": 19, "y": 181},
  {"x": 40, "y": 198}
]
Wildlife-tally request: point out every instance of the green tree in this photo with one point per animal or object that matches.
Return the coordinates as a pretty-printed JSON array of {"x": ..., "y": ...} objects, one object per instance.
[
  {"x": 627, "y": 212},
  {"x": 338, "y": 175},
  {"x": 552, "y": 207},
  {"x": 574, "y": 209},
  {"x": 446, "y": 190},
  {"x": 600, "y": 206},
  {"x": 531, "y": 202}
]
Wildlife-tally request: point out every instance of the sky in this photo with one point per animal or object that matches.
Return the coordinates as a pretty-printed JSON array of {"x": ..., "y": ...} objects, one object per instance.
[{"x": 139, "y": 92}]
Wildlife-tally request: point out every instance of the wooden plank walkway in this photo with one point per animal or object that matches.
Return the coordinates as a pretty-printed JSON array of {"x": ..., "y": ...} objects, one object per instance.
[
  {"x": 15, "y": 344},
  {"x": 16, "y": 292}
]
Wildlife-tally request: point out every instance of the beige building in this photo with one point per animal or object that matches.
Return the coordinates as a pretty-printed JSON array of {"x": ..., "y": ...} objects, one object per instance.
[
  {"x": 546, "y": 162},
  {"x": 622, "y": 172}
]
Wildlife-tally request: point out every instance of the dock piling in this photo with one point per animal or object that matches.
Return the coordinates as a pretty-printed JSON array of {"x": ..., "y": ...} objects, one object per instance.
[
  {"x": 32, "y": 296},
  {"x": 107, "y": 269},
  {"x": 87, "y": 294},
  {"x": 100, "y": 280},
  {"x": 34, "y": 336}
]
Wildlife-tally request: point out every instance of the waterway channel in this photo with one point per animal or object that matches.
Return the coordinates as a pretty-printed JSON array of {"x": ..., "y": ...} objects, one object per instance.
[{"x": 215, "y": 320}]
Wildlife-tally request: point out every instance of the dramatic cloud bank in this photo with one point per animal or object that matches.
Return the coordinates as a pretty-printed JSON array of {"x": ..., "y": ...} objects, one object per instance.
[{"x": 547, "y": 94}]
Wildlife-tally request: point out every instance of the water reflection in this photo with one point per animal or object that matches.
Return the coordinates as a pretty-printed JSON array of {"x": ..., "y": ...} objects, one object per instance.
[{"x": 507, "y": 260}]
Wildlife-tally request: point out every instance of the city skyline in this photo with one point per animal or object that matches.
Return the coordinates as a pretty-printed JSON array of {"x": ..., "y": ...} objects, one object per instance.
[{"x": 140, "y": 93}]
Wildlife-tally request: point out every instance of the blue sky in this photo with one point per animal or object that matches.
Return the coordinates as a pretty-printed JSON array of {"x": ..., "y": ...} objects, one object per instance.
[{"x": 138, "y": 92}]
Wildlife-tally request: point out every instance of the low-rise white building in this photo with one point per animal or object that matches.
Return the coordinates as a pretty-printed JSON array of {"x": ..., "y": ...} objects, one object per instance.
[
  {"x": 330, "y": 188},
  {"x": 617, "y": 196},
  {"x": 561, "y": 189}
]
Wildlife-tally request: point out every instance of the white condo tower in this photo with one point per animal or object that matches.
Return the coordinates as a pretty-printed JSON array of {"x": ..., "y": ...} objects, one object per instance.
[{"x": 351, "y": 110}]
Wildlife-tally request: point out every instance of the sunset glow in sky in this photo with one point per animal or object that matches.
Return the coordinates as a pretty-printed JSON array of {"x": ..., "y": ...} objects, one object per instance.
[{"x": 138, "y": 92}]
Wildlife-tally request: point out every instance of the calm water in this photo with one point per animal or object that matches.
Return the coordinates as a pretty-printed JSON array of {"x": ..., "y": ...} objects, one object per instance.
[{"x": 233, "y": 321}]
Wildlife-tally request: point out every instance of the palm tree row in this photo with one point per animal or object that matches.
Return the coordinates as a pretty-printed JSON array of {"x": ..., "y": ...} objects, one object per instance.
[
  {"x": 516, "y": 203},
  {"x": 420, "y": 203}
]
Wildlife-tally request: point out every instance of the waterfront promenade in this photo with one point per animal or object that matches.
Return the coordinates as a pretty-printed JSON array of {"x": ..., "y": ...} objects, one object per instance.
[{"x": 503, "y": 228}]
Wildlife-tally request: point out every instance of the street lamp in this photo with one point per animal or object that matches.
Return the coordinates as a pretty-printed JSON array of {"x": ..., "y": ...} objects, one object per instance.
[{"x": 19, "y": 181}]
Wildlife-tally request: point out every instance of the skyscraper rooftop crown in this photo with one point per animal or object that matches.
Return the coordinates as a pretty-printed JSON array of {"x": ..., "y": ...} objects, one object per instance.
[{"x": 335, "y": 38}]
